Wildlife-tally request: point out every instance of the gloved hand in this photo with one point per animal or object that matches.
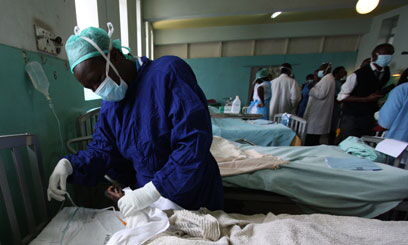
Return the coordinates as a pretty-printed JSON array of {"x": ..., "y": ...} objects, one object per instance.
[
  {"x": 58, "y": 178},
  {"x": 138, "y": 199}
]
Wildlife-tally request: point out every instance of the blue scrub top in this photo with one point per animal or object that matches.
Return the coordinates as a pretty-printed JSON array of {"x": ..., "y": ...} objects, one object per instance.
[
  {"x": 394, "y": 114},
  {"x": 160, "y": 132}
]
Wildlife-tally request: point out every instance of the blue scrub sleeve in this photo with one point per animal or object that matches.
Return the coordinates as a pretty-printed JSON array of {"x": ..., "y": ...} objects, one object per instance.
[
  {"x": 90, "y": 165},
  {"x": 389, "y": 111},
  {"x": 185, "y": 171}
]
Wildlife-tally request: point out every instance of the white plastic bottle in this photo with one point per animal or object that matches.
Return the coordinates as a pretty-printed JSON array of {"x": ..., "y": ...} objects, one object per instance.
[
  {"x": 236, "y": 105},
  {"x": 285, "y": 119}
]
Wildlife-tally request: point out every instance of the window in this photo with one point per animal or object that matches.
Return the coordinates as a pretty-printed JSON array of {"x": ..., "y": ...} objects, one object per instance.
[
  {"x": 149, "y": 40},
  {"x": 139, "y": 27},
  {"x": 87, "y": 15},
  {"x": 124, "y": 28},
  {"x": 388, "y": 30}
]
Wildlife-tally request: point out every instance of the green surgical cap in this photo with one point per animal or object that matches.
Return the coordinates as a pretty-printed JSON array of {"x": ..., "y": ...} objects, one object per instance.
[
  {"x": 262, "y": 73},
  {"x": 79, "y": 50}
]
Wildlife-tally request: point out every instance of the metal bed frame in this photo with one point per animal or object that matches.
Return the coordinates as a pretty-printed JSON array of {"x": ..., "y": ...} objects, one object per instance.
[
  {"x": 296, "y": 123},
  {"x": 86, "y": 125},
  {"x": 16, "y": 144}
]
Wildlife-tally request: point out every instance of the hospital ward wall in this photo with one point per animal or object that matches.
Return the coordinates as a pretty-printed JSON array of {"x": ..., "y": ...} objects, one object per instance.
[
  {"x": 24, "y": 110},
  {"x": 376, "y": 36},
  {"x": 229, "y": 76}
]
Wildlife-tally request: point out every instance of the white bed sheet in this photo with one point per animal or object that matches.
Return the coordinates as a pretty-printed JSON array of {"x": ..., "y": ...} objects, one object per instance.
[{"x": 80, "y": 226}]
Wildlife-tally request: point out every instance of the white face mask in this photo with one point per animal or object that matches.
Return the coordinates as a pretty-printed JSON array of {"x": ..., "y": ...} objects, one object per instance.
[{"x": 109, "y": 90}]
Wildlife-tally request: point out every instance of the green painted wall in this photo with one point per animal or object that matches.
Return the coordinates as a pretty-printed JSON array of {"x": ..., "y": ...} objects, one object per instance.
[
  {"x": 229, "y": 76},
  {"x": 23, "y": 109}
]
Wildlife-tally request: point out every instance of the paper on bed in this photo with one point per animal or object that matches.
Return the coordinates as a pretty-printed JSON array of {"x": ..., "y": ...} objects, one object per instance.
[
  {"x": 352, "y": 164},
  {"x": 391, "y": 147}
]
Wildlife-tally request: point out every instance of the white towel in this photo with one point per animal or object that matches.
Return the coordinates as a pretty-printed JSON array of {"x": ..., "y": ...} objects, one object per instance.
[{"x": 145, "y": 224}]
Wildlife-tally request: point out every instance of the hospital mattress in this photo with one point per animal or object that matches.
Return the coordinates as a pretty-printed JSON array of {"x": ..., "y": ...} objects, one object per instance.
[
  {"x": 80, "y": 226},
  {"x": 315, "y": 187},
  {"x": 263, "y": 135}
]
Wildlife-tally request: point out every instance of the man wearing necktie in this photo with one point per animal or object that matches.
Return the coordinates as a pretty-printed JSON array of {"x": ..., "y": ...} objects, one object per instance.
[{"x": 361, "y": 92}]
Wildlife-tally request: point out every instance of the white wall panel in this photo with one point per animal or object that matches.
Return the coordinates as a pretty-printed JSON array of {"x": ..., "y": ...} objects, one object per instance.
[
  {"x": 204, "y": 50},
  {"x": 237, "y": 48},
  {"x": 270, "y": 46},
  {"x": 179, "y": 50},
  {"x": 304, "y": 45},
  {"x": 341, "y": 43}
]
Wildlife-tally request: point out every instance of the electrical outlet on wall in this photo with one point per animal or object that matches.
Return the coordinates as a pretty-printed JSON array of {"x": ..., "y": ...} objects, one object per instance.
[{"x": 47, "y": 41}]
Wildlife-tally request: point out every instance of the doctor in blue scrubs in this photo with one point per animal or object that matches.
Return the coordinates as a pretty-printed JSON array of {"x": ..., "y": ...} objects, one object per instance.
[{"x": 154, "y": 120}]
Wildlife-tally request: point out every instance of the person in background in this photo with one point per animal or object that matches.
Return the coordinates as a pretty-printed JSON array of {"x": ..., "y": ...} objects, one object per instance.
[
  {"x": 154, "y": 119},
  {"x": 394, "y": 114},
  {"x": 309, "y": 83},
  {"x": 340, "y": 75},
  {"x": 261, "y": 95},
  {"x": 403, "y": 77},
  {"x": 361, "y": 92},
  {"x": 285, "y": 92},
  {"x": 365, "y": 62},
  {"x": 319, "y": 109}
]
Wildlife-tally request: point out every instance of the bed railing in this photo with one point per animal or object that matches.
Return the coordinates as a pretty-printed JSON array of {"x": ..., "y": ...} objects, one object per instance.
[
  {"x": 12, "y": 149},
  {"x": 86, "y": 125},
  {"x": 296, "y": 123}
]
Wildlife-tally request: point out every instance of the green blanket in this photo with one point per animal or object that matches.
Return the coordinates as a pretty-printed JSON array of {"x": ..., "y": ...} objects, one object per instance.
[
  {"x": 317, "y": 188},
  {"x": 356, "y": 147}
]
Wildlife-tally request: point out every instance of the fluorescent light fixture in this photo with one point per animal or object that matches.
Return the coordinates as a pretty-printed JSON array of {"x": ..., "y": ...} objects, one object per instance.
[
  {"x": 276, "y": 14},
  {"x": 396, "y": 75},
  {"x": 366, "y": 6}
]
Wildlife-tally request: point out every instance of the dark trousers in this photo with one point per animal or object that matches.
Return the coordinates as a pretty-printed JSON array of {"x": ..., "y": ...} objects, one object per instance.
[
  {"x": 356, "y": 125},
  {"x": 332, "y": 138},
  {"x": 312, "y": 139}
]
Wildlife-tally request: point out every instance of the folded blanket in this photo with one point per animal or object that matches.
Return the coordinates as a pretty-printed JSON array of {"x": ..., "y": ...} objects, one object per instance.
[
  {"x": 233, "y": 161},
  {"x": 205, "y": 227},
  {"x": 356, "y": 147}
]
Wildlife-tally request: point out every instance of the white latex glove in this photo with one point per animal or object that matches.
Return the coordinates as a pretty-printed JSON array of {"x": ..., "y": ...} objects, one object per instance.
[
  {"x": 58, "y": 178},
  {"x": 138, "y": 199}
]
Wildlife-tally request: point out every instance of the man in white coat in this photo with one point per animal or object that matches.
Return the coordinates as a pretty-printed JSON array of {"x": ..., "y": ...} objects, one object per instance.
[
  {"x": 319, "y": 109},
  {"x": 285, "y": 92}
]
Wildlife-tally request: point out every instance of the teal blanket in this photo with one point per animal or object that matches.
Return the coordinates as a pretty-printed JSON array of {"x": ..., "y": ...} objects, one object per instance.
[
  {"x": 263, "y": 135},
  {"x": 356, "y": 147},
  {"x": 317, "y": 188}
]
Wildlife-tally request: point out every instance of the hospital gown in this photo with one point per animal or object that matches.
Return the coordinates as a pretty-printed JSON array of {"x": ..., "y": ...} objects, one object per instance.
[
  {"x": 162, "y": 128},
  {"x": 394, "y": 114}
]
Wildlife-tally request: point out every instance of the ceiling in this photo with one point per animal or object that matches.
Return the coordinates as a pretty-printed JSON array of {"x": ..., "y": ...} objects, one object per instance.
[{"x": 179, "y": 14}]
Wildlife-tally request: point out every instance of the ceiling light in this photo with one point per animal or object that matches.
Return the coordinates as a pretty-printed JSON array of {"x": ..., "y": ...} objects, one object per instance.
[
  {"x": 366, "y": 6},
  {"x": 276, "y": 14},
  {"x": 396, "y": 75}
]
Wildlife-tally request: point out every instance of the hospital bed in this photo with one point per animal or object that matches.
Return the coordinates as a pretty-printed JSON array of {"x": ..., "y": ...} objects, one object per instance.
[
  {"x": 31, "y": 218},
  {"x": 258, "y": 132},
  {"x": 22, "y": 181},
  {"x": 264, "y": 133},
  {"x": 308, "y": 185},
  {"x": 265, "y": 187}
]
